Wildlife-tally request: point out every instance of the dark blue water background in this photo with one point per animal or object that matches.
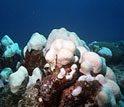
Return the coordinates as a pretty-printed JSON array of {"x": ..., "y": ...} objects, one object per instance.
[{"x": 101, "y": 20}]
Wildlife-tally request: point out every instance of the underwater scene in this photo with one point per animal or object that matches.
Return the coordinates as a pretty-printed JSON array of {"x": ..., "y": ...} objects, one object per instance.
[{"x": 62, "y": 53}]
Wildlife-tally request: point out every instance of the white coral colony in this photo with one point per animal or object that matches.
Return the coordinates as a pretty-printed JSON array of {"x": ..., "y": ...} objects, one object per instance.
[
  {"x": 94, "y": 60},
  {"x": 62, "y": 33},
  {"x": 11, "y": 48},
  {"x": 61, "y": 47},
  {"x": 61, "y": 51},
  {"x": 16, "y": 79},
  {"x": 65, "y": 48},
  {"x": 36, "y": 42}
]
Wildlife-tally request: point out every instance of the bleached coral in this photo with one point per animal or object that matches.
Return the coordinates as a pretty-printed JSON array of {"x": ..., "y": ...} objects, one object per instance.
[
  {"x": 82, "y": 50},
  {"x": 109, "y": 94},
  {"x": 110, "y": 74},
  {"x": 76, "y": 91},
  {"x": 62, "y": 73},
  {"x": 16, "y": 79},
  {"x": 71, "y": 70},
  {"x": 35, "y": 76},
  {"x": 105, "y": 52},
  {"x": 61, "y": 52},
  {"x": 92, "y": 66},
  {"x": 10, "y": 47},
  {"x": 93, "y": 60},
  {"x": 5, "y": 73},
  {"x": 106, "y": 98},
  {"x": 12, "y": 50},
  {"x": 36, "y": 42},
  {"x": 6, "y": 41},
  {"x": 62, "y": 33},
  {"x": 86, "y": 68}
]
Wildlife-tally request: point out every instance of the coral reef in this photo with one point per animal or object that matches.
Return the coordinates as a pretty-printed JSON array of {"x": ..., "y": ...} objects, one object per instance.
[
  {"x": 119, "y": 72},
  {"x": 63, "y": 71},
  {"x": 114, "y": 52},
  {"x": 10, "y": 54},
  {"x": 33, "y": 53}
]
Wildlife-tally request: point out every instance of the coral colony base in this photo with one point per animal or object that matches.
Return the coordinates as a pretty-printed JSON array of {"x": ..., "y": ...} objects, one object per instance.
[{"x": 61, "y": 71}]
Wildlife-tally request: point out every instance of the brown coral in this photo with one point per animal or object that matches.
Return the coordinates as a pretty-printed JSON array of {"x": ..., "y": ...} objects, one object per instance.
[
  {"x": 52, "y": 86},
  {"x": 34, "y": 59}
]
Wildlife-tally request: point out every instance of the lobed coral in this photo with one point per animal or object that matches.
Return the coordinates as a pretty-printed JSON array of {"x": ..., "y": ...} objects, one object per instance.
[
  {"x": 10, "y": 53},
  {"x": 113, "y": 52},
  {"x": 65, "y": 73}
]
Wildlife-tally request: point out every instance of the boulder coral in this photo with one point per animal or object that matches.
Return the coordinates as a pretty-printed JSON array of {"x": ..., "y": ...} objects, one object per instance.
[
  {"x": 73, "y": 76},
  {"x": 16, "y": 79}
]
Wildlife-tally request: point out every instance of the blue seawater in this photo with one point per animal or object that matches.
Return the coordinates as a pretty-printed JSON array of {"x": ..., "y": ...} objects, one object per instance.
[{"x": 101, "y": 20}]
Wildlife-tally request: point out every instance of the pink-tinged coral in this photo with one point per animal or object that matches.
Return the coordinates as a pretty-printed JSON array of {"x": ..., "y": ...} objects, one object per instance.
[
  {"x": 82, "y": 50},
  {"x": 73, "y": 75},
  {"x": 110, "y": 74},
  {"x": 94, "y": 60},
  {"x": 86, "y": 68},
  {"x": 62, "y": 33},
  {"x": 56, "y": 54}
]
